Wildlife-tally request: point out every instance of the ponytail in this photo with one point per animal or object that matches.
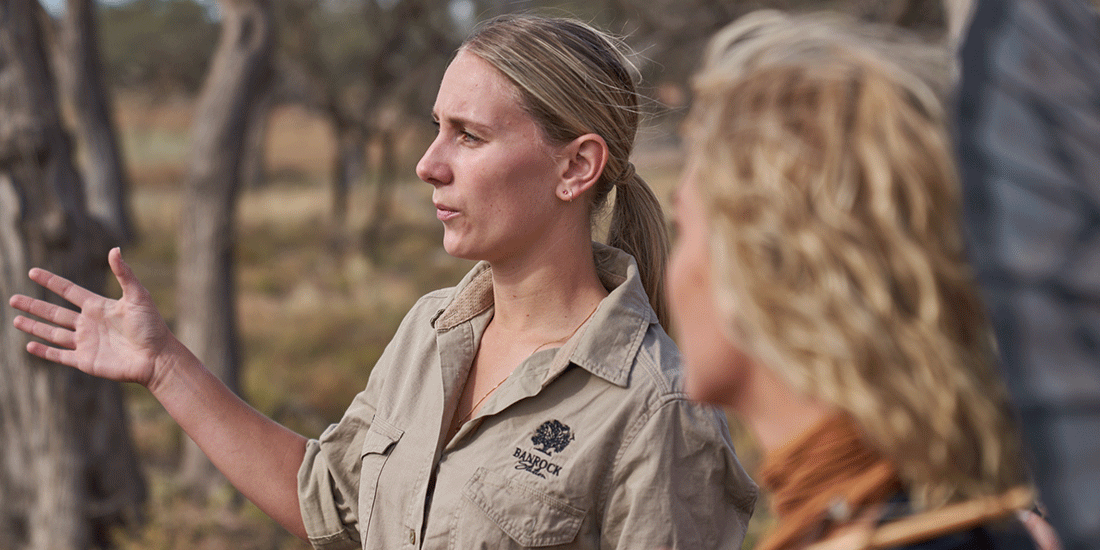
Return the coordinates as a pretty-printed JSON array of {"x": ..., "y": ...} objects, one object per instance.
[{"x": 638, "y": 228}]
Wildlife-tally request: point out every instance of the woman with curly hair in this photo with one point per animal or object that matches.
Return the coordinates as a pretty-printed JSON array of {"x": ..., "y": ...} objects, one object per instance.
[{"x": 821, "y": 293}]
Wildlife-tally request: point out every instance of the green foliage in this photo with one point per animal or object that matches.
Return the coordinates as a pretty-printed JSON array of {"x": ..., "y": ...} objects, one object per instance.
[{"x": 160, "y": 45}]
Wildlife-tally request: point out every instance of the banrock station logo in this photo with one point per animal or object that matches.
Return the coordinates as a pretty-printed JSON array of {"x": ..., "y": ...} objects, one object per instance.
[{"x": 551, "y": 437}]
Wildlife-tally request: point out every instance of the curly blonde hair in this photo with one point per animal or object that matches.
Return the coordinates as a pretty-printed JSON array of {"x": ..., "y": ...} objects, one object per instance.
[{"x": 832, "y": 197}]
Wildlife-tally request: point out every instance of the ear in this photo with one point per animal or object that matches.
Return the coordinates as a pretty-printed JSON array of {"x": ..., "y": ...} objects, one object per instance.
[{"x": 583, "y": 161}]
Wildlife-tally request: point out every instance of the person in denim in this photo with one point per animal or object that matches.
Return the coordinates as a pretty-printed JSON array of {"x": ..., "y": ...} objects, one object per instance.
[{"x": 1028, "y": 132}]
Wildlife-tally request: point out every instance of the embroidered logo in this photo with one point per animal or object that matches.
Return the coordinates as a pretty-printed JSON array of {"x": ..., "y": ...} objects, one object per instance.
[
  {"x": 535, "y": 464},
  {"x": 552, "y": 437}
]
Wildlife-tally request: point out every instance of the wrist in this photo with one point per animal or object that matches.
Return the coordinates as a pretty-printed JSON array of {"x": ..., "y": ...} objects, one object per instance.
[{"x": 168, "y": 364}]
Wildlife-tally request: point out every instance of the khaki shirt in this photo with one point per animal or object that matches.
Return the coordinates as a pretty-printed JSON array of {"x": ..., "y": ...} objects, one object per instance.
[{"x": 591, "y": 445}]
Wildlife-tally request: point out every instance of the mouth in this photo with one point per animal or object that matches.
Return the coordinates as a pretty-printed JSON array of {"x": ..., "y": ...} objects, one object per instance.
[{"x": 444, "y": 212}]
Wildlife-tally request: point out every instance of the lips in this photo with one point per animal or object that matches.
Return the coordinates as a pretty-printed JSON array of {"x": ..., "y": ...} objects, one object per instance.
[{"x": 444, "y": 212}]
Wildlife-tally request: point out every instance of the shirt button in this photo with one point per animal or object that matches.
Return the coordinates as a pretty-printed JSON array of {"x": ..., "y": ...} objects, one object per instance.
[{"x": 412, "y": 536}]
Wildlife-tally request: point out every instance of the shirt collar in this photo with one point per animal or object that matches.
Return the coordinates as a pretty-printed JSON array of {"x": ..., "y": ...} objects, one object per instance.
[{"x": 608, "y": 344}]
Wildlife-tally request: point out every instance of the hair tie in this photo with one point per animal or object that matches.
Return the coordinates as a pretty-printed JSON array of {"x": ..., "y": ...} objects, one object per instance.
[{"x": 627, "y": 175}]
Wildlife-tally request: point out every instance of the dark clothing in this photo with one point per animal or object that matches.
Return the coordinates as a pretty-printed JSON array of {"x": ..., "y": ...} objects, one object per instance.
[
  {"x": 1028, "y": 119},
  {"x": 1009, "y": 534},
  {"x": 981, "y": 538}
]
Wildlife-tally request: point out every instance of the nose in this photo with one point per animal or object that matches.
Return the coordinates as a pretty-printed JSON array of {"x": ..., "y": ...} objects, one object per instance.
[{"x": 433, "y": 167}]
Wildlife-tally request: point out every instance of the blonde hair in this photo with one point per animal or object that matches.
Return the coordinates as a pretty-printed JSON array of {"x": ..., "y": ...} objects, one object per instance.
[
  {"x": 574, "y": 79},
  {"x": 831, "y": 192}
]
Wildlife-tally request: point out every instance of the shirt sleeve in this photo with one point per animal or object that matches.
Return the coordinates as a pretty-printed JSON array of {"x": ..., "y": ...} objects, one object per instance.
[
  {"x": 678, "y": 484},
  {"x": 328, "y": 480}
]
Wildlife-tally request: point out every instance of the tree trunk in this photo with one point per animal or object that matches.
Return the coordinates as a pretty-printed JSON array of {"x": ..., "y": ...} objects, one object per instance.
[
  {"x": 207, "y": 321},
  {"x": 106, "y": 181},
  {"x": 383, "y": 195},
  {"x": 254, "y": 163},
  {"x": 51, "y": 479},
  {"x": 349, "y": 166},
  {"x": 117, "y": 488}
]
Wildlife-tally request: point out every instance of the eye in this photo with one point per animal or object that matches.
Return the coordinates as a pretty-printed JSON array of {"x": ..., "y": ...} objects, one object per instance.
[{"x": 467, "y": 137}]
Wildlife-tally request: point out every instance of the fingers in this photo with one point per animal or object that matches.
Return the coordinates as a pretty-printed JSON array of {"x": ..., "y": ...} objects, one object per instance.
[
  {"x": 1041, "y": 532},
  {"x": 51, "y": 312},
  {"x": 55, "y": 335},
  {"x": 61, "y": 286},
  {"x": 61, "y": 356}
]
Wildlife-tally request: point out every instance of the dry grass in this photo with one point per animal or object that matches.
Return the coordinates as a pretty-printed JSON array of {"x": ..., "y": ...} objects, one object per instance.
[{"x": 312, "y": 321}]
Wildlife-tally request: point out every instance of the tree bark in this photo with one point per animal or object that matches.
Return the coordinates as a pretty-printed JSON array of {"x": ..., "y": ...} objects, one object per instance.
[
  {"x": 107, "y": 182},
  {"x": 52, "y": 482},
  {"x": 254, "y": 163},
  {"x": 117, "y": 489},
  {"x": 349, "y": 167},
  {"x": 207, "y": 321},
  {"x": 383, "y": 195}
]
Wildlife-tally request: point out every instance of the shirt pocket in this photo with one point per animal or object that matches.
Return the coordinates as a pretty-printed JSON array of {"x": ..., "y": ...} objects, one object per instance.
[
  {"x": 377, "y": 446},
  {"x": 529, "y": 517}
]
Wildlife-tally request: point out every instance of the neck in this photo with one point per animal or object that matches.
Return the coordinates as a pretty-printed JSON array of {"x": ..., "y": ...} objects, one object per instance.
[
  {"x": 774, "y": 411},
  {"x": 551, "y": 288}
]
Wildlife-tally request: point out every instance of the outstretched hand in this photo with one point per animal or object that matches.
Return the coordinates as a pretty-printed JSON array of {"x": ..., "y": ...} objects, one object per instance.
[
  {"x": 127, "y": 340},
  {"x": 114, "y": 339}
]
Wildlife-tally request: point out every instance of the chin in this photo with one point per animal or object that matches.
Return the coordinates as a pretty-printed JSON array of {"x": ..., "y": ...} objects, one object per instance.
[
  {"x": 456, "y": 249},
  {"x": 706, "y": 391},
  {"x": 455, "y": 253},
  {"x": 716, "y": 383},
  {"x": 465, "y": 255}
]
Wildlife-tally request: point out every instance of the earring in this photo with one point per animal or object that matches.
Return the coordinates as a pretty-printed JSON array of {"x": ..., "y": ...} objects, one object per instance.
[{"x": 568, "y": 196}]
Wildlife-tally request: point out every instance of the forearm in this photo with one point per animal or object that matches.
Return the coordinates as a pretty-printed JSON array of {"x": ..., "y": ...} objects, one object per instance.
[{"x": 259, "y": 456}]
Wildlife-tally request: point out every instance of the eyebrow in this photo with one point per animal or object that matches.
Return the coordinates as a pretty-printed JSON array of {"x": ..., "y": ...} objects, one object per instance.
[{"x": 462, "y": 123}]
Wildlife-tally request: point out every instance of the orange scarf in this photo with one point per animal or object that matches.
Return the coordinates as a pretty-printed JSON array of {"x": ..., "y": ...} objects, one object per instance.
[{"x": 822, "y": 479}]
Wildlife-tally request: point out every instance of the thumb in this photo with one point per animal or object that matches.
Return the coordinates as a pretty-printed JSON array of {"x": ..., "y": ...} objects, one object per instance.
[{"x": 125, "y": 276}]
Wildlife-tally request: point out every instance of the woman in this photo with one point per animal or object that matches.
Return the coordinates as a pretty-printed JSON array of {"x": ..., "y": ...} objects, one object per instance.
[
  {"x": 821, "y": 292},
  {"x": 539, "y": 401}
]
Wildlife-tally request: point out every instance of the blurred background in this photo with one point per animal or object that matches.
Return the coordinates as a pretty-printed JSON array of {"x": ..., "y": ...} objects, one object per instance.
[{"x": 255, "y": 160}]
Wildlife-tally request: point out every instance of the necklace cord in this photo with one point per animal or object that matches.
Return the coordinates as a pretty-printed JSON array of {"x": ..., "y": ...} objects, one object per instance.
[{"x": 534, "y": 351}]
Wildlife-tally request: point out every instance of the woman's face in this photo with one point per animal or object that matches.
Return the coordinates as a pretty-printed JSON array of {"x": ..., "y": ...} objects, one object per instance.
[
  {"x": 716, "y": 368},
  {"x": 493, "y": 172}
]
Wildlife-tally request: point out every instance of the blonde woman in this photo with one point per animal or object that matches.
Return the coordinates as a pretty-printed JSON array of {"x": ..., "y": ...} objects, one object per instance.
[
  {"x": 821, "y": 293},
  {"x": 537, "y": 403}
]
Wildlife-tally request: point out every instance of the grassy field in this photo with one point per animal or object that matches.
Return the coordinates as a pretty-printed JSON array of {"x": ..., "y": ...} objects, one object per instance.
[{"x": 313, "y": 321}]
